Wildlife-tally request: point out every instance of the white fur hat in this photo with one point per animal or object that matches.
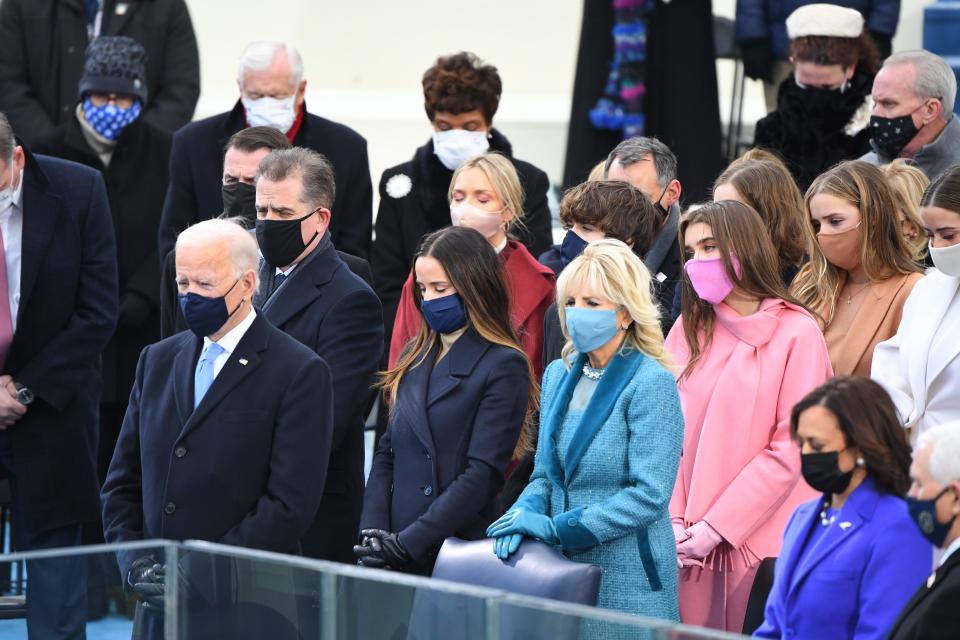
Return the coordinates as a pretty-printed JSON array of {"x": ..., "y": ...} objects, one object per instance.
[{"x": 824, "y": 20}]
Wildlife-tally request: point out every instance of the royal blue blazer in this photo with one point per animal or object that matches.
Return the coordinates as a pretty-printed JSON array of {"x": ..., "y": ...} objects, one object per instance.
[{"x": 855, "y": 579}]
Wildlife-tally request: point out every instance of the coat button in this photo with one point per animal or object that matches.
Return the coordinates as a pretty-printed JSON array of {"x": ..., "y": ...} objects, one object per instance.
[
  {"x": 427, "y": 490},
  {"x": 180, "y": 452},
  {"x": 170, "y": 508}
]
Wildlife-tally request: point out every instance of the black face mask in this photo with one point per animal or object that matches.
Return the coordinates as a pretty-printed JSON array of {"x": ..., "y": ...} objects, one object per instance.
[
  {"x": 239, "y": 199},
  {"x": 821, "y": 471},
  {"x": 204, "y": 315},
  {"x": 891, "y": 135},
  {"x": 659, "y": 207},
  {"x": 281, "y": 240}
]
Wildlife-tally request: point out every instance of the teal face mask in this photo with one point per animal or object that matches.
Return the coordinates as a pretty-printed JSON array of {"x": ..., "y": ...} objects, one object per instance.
[{"x": 590, "y": 329}]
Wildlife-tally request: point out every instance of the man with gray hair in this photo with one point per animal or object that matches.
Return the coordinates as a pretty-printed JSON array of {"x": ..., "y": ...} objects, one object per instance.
[
  {"x": 311, "y": 294},
  {"x": 934, "y": 504},
  {"x": 227, "y": 435},
  {"x": 270, "y": 79},
  {"x": 913, "y": 95}
]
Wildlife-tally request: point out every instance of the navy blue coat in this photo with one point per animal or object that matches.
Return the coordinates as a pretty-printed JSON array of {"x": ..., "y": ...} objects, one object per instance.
[
  {"x": 767, "y": 19},
  {"x": 441, "y": 462},
  {"x": 334, "y": 313},
  {"x": 245, "y": 468},
  {"x": 196, "y": 177},
  {"x": 855, "y": 579},
  {"x": 67, "y": 313}
]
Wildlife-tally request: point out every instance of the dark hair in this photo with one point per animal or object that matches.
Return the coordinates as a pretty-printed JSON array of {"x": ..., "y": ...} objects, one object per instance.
[
  {"x": 633, "y": 150},
  {"x": 473, "y": 269},
  {"x": 7, "y": 139},
  {"x": 846, "y": 52},
  {"x": 944, "y": 192},
  {"x": 459, "y": 83},
  {"x": 313, "y": 169},
  {"x": 617, "y": 208},
  {"x": 734, "y": 226},
  {"x": 869, "y": 422},
  {"x": 255, "y": 138}
]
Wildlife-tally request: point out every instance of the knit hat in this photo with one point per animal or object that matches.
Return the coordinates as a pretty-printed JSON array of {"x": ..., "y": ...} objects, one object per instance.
[
  {"x": 824, "y": 20},
  {"x": 115, "y": 64}
]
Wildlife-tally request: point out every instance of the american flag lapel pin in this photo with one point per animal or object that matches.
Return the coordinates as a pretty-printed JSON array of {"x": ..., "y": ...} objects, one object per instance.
[
  {"x": 243, "y": 361},
  {"x": 121, "y": 8}
]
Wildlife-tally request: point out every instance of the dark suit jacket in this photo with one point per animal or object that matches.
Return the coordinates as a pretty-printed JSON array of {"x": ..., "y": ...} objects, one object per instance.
[
  {"x": 67, "y": 313},
  {"x": 440, "y": 464},
  {"x": 245, "y": 468},
  {"x": 196, "y": 174},
  {"x": 331, "y": 311},
  {"x": 136, "y": 181},
  {"x": 934, "y": 611},
  {"x": 42, "y": 46}
]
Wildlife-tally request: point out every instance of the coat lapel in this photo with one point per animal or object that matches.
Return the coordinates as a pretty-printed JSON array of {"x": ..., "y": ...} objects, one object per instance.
[
  {"x": 184, "y": 366},
  {"x": 302, "y": 288},
  {"x": 413, "y": 401},
  {"x": 867, "y": 321},
  {"x": 942, "y": 325},
  {"x": 41, "y": 210},
  {"x": 551, "y": 420},
  {"x": 459, "y": 361},
  {"x": 935, "y": 580},
  {"x": 529, "y": 283},
  {"x": 807, "y": 516}
]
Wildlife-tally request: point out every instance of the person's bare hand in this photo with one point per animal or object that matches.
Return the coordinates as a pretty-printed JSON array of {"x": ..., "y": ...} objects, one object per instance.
[{"x": 11, "y": 409}]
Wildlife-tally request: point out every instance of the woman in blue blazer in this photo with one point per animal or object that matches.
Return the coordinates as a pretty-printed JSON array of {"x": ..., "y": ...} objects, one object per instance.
[
  {"x": 852, "y": 559},
  {"x": 460, "y": 395},
  {"x": 610, "y": 436}
]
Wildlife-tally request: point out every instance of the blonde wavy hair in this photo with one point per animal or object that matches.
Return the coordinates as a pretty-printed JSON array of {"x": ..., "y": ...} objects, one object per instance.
[
  {"x": 908, "y": 184},
  {"x": 612, "y": 270},
  {"x": 506, "y": 184}
]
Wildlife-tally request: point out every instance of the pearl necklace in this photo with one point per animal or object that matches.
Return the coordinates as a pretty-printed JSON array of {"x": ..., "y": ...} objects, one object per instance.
[
  {"x": 591, "y": 373},
  {"x": 824, "y": 520}
]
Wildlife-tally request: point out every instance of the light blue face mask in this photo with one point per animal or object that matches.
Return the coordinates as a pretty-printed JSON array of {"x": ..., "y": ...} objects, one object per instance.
[{"x": 590, "y": 329}]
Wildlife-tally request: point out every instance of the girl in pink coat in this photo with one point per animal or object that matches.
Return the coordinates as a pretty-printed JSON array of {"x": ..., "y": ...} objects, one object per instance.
[{"x": 745, "y": 352}]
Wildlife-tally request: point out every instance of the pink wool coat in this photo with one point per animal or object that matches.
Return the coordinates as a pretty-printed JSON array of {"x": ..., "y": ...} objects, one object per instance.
[{"x": 740, "y": 470}]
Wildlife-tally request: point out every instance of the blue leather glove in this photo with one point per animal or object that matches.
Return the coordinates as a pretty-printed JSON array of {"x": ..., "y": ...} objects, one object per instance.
[
  {"x": 528, "y": 523},
  {"x": 506, "y": 546}
]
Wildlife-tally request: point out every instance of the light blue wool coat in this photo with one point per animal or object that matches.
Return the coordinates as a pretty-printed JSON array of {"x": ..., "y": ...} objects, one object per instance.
[{"x": 605, "y": 475}]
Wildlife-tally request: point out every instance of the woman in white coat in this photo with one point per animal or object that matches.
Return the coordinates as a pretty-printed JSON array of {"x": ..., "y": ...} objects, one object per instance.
[{"x": 920, "y": 366}]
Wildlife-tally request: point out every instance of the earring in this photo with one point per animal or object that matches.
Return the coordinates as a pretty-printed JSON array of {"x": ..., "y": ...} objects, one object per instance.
[{"x": 860, "y": 461}]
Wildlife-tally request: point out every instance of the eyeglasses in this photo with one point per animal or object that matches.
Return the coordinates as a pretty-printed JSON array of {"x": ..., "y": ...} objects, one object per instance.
[{"x": 121, "y": 100}]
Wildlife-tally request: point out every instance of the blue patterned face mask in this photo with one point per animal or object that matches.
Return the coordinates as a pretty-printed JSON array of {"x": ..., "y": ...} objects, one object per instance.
[{"x": 109, "y": 120}]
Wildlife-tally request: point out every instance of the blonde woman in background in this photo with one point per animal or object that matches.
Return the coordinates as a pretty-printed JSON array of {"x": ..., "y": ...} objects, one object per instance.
[{"x": 908, "y": 184}]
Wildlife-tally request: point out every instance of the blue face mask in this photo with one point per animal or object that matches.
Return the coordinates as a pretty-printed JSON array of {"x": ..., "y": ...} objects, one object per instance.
[
  {"x": 109, "y": 120},
  {"x": 446, "y": 314},
  {"x": 205, "y": 316},
  {"x": 571, "y": 247},
  {"x": 590, "y": 329},
  {"x": 924, "y": 515}
]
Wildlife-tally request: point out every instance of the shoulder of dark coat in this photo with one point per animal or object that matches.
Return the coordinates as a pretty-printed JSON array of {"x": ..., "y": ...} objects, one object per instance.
[{"x": 333, "y": 132}]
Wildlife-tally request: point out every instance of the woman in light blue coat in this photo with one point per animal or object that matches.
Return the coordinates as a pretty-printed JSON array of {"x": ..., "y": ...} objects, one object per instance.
[{"x": 610, "y": 436}]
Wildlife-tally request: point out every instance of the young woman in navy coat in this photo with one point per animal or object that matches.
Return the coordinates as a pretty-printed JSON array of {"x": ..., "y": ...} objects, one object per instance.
[
  {"x": 852, "y": 558},
  {"x": 460, "y": 396}
]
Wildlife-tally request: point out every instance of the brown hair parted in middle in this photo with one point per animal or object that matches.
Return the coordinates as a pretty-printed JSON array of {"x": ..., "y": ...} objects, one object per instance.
[
  {"x": 614, "y": 207},
  {"x": 459, "y": 83},
  {"x": 846, "y": 52},
  {"x": 474, "y": 270},
  {"x": 733, "y": 225},
  {"x": 869, "y": 422}
]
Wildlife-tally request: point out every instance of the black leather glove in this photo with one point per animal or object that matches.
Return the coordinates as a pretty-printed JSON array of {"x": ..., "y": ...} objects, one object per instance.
[
  {"x": 134, "y": 310},
  {"x": 884, "y": 42},
  {"x": 757, "y": 58},
  {"x": 146, "y": 580},
  {"x": 381, "y": 548}
]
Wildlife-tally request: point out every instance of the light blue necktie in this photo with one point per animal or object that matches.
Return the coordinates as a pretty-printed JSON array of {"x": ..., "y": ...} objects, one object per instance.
[{"x": 203, "y": 377}]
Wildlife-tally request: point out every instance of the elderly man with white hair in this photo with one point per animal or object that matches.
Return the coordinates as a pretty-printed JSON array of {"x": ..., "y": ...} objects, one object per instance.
[
  {"x": 913, "y": 95},
  {"x": 272, "y": 86},
  {"x": 228, "y": 431},
  {"x": 934, "y": 503}
]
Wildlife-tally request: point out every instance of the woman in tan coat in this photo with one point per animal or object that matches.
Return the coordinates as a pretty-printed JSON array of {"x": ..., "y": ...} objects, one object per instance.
[{"x": 861, "y": 269}]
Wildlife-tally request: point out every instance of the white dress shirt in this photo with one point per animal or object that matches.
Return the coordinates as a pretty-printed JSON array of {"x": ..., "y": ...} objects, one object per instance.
[
  {"x": 228, "y": 342},
  {"x": 949, "y": 551},
  {"x": 11, "y": 226}
]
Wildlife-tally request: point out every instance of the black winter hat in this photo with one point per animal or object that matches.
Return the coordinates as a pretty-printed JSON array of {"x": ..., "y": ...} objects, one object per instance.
[{"x": 115, "y": 64}]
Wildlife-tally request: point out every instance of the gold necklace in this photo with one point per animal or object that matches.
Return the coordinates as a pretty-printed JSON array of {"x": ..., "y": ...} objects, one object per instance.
[{"x": 851, "y": 296}]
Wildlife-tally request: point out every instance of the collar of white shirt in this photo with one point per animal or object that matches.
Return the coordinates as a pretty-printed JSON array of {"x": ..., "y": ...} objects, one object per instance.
[
  {"x": 950, "y": 550},
  {"x": 232, "y": 338},
  {"x": 17, "y": 199},
  {"x": 287, "y": 272}
]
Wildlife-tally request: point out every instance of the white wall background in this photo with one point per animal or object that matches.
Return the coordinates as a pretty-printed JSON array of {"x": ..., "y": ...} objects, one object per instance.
[{"x": 364, "y": 61}]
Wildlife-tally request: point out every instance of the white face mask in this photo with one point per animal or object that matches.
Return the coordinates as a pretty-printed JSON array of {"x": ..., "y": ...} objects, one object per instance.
[
  {"x": 7, "y": 195},
  {"x": 278, "y": 113},
  {"x": 487, "y": 223},
  {"x": 455, "y": 146},
  {"x": 947, "y": 259}
]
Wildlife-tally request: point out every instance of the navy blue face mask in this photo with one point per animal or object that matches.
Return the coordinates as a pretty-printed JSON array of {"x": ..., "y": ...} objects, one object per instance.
[
  {"x": 446, "y": 314},
  {"x": 205, "y": 316},
  {"x": 924, "y": 515},
  {"x": 571, "y": 247}
]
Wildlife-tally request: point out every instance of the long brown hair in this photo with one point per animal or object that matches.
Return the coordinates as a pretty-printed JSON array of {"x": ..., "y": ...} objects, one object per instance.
[
  {"x": 884, "y": 252},
  {"x": 944, "y": 191},
  {"x": 735, "y": 227},
  {"x": 767, "y": 186},
  {"x": 907, "y": 184},
  {"x": 472, "y": 266},
  {"x": 869, "y": 422}
]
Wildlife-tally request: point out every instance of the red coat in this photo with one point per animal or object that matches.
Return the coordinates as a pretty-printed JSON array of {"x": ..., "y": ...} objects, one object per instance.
[{"x": 532, "y": 290}]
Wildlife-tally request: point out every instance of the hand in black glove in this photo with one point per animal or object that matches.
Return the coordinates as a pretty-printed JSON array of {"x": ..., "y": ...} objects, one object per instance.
[
  {"x": 146, "y": 581},
  {"x": 382, "y": 547},
  {"x": 757, "y": 58},
  {"x": 884, "y": 42}
]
